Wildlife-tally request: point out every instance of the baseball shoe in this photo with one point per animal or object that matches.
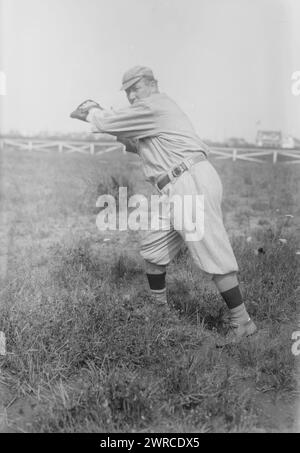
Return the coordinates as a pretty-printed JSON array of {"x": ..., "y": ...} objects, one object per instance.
[{"x": 236, "y": 333}]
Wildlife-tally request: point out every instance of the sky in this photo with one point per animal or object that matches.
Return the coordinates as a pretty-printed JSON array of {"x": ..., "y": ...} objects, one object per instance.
[{"x": 228, "y": 63}]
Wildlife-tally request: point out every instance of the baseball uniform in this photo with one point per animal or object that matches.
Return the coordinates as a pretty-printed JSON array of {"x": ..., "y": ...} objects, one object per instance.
[
  {"x": 165, "y": 137},
  {"x": 175, "y": 162}
]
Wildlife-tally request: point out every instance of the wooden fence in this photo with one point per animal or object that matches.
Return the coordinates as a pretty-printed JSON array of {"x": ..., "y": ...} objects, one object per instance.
[
  {"x": 62, "y": 146},
  {"x": 259, "y": 155}
]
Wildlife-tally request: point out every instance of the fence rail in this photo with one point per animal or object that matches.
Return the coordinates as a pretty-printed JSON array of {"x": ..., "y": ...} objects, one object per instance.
[
  {"x": 62, "y": 146},
  {"x": 259, "y": 155}
]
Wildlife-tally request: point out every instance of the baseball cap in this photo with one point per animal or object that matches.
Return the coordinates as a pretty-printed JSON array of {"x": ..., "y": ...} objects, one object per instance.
[{"x": 134, "y": 74}]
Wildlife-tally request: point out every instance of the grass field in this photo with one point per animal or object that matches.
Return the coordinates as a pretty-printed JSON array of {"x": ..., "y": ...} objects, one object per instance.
[{"x": 88, "y": 352}]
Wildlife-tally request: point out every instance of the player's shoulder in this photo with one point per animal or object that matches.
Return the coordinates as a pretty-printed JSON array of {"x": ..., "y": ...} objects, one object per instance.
[
  {"x": 157, "y": 98},
  {"x": 154, "y": 103},
  {"x": 160, "y": 102}
]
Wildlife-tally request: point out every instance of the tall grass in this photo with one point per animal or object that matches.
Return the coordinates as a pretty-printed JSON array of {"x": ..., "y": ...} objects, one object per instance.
[
  {"x": 100, "y": 361},
  {"x": 88, "y": 346}
]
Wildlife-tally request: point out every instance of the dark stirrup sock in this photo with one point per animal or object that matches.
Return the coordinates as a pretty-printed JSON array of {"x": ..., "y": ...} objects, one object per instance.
[
  {"x": 157, "y": 283},
  {"x": 234, "y": 301},
  {"x": 232, "y": 297}
]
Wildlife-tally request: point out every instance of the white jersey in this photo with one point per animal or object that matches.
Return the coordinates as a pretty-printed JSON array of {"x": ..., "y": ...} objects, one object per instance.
[{"x": 162, "y": 132}]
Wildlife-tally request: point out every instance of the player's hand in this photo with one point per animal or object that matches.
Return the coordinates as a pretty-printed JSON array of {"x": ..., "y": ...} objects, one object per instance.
[{"x": 82, "y": 111}]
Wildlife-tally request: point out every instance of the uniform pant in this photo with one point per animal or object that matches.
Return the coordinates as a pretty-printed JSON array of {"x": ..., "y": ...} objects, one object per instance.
[{"x": 211, "y": 250}]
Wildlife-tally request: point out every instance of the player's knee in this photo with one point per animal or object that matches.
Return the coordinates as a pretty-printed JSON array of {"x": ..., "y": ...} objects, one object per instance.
[
  {"x": 226, "y": 282},
  {"x": 155, "y": 259},
  {"x": 148, "y": 255},
  {"x": 152, "y": 268}
]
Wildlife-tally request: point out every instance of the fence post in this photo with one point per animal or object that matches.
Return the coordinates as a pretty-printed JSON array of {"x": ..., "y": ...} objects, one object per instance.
[
  {"x": 275, "y": 155},
  {"x": 30, "y": 146},
  {"x": 92, "y": 148},
  {"x": 1, "y": 144},
  {"x": 60, "y": 147},
  {"x": 234, "y": 155}
]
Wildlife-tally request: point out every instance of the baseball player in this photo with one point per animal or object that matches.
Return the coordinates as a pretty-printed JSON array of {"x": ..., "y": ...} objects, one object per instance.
[{"x": 175, "y": 161}]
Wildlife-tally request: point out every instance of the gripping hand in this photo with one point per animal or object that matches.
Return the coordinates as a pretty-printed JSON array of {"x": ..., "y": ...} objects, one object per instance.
[{"x": 82, "y": 111}]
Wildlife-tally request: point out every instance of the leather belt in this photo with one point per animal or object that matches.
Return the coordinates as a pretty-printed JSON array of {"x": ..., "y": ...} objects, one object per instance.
[{"x": 175, "y": 172}]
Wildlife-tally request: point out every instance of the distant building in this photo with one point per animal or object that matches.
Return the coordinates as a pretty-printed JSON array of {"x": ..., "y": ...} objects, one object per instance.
[
  {"x": 288, "y": 142},
  {"x": 236, "y": 142},
  {"x": 269, "y": 139}
]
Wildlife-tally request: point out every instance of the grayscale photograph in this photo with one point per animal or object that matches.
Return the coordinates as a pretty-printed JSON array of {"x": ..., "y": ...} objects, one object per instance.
[{"x": 149, "y": 219}]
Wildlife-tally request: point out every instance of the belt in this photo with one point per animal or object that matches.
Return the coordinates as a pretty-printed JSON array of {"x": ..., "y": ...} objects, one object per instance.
[{"x": 175, "y": 172}]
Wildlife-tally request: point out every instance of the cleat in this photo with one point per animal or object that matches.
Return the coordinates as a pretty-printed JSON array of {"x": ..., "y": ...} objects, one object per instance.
[{"x": 236, "y": 333}]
